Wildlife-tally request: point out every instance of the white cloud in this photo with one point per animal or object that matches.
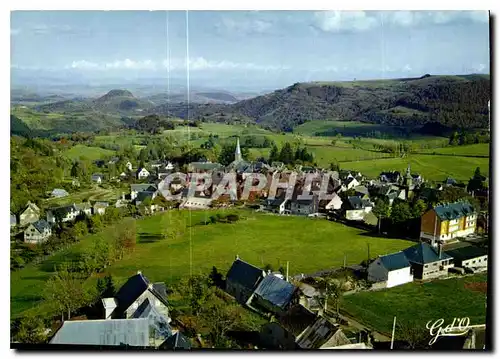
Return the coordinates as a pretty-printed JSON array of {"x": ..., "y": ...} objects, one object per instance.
[
  {"x": 176, "y": 64},
  {"x": 479, "y": 68},
  {"x": 335, "y": 21},
  {"x": 355, "y": 21}
]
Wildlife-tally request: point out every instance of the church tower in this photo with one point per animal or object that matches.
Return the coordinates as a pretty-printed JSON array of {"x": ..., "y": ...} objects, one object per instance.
[
  {"x": 237, "y": 153},
  {"x": 408, "y": 179}
]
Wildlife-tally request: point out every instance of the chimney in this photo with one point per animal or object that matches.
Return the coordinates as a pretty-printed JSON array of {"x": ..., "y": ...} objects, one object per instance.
[
  {"x": 268, "y": 271},
  {"x": 237, "y": 257},
  {"x": 139, "y": 272},
  {"x": 439, "y": 249}
]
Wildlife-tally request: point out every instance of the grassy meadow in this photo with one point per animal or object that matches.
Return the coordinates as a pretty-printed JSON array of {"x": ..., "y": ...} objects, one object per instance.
[
  {"x": 257, "y": 238},
  {"x": 435, "y": 168},
  {"x": 420, "y": 302},
  {"x": 89, "y": 152}
]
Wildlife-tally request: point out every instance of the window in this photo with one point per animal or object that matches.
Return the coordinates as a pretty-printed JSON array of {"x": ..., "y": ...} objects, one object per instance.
[
  {"x": 473, "y": 262},
  {"x": 426, "y": 266}
]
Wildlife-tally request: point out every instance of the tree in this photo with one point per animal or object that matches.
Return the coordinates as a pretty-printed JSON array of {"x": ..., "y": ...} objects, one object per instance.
[
  {"x": 65, "y": 291},
  {"x": 215, "y": 278},
  {"x": 106, "y": 287},
  {"x": 413, "y": 333},
  {"x": 381, "y": 210},
  {"x": 31, "y": 330},
  {"x": 286, "y": 154},
  {"x": 273, "y": 154},
  {"x": 95, "y": 223},
  {"x": 80, "y": 228},
  {"x": 400, "y": 211},
  {"x": 219, "y": 318},
  {"x": 418, "y": 208}
]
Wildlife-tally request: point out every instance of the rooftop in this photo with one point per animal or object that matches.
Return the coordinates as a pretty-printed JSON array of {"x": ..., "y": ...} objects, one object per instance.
[{"x": 275, "y": 290}]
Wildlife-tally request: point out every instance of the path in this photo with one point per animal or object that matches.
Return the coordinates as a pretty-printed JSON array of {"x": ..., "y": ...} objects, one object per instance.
[{"x": 380, "y": 337}]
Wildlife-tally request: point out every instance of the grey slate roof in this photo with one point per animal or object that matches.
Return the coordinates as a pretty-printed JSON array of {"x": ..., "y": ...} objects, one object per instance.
[
  {"x": 41, "y": 225},
  {"x": 142, "y": 196},
  {"x": 133, "y": 332},
  {"x": 275, "y": 290},
  {"x": 355, "y": 202},
  {"x": 82, "y": 206},
  {"x": 131, "y": 290},
  {"x": 395, "y": 261},
  {"x": 176, "y": 341},
  {"x": 63, "y": 211},
  {"x": 207, "y": 166},
  {"x": 454, "y": 210},
  {"x": 244, "y": 274},
  {"x": 59, "y": 192},
  {"x": 423, "y": 253},
  {"x": 157, "y": 322},
  {"x": 296, "y": 319},
  {"x": 469, "y": 252}
]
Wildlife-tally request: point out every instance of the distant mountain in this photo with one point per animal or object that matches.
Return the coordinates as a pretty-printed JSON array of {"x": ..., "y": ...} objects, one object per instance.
[
  {"x": 451, "y": 101},
  {"x": 121, "y": 101},
  {"x": 214, "y": 97}
]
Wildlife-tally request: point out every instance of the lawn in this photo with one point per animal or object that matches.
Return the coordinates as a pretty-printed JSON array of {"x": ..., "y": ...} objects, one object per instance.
[
  {"x": 308, "y": 244},
  {"x": 420, "y": 302},
  {"x": 436, "y": 168},
  {"x": 92, "y": 153}
]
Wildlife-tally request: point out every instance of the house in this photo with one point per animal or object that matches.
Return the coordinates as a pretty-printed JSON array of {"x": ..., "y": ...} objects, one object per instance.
[
  {"x": 390, "y": 177},
  {"x": 201, "y": 167},
  {"x": 37, "y": 232},
  {"x": 99, "y": 163},
  {"x": 335, "y": 203},
  {"x": 123, "y": 175},
  {"x": 392, "y": 269},
  {"x": 242, "y": 279},
  {"x": 469, "y": 257},
  {"x": 362, "y": 192},
  {"x": 84, "y": 208},
  {"x": 97, "y": 178},
  {"x": 59, "y": 193},
  {"x": 169, "y": 166},
  {"x": 141, "y": 187},
  {"x": 157, "y": 165},
  {"x": 113, "y": 160},
  {"x": 357, "y": 208},
  {"x": 304, "y": 206},
  {"x": 448, "y": 221},
  {"x": 142, "y": 173},
  {"x": 177, "y": 341},
  {"x": 273, "y": 294},
  {"x": 349, "y": 183},
  {"x": 196, "y": 203},
  {"x": 309, "y": 297},
  {"x": 128, "y": 166},
  {"x": 138, "y": 333},
  {"x": 13, "y": 220},
  {"x": 100, "y": 207},
  {"x": 299, "y": 328},
  {"x": 63, "y": 214},
  {"x": 30, "y": 214},
  {"x": 136, "y": 297},
  {"x": 427, "y": 261},
  {"x": 278, "y": 205}
]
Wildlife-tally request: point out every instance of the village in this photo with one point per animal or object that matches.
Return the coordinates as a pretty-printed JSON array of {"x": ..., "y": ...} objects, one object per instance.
[{"x": 449, "y": 236}]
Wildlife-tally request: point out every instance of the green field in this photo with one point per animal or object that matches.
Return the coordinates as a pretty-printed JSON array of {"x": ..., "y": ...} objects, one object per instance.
[
  {"x": 420, "y": 302},
  {"x": 480, "y": 149},
  {"x": 91, "y": 153},
  {"x": 35, "y": 120},
  {"x": 308, "y": 244},
  {"x": 324, "y": 155},
  {"x": 436, "y": 168},
  {"x": 94, "y": 194}
]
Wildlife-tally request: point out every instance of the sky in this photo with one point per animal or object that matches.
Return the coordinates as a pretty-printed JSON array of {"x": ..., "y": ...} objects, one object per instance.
[{"x": 257, "y": 49}]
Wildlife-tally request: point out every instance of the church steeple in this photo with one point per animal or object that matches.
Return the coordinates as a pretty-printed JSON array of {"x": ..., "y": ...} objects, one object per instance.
[
  {"x": 237, "y": 153},
  {"x": 408, "y": 178}
]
